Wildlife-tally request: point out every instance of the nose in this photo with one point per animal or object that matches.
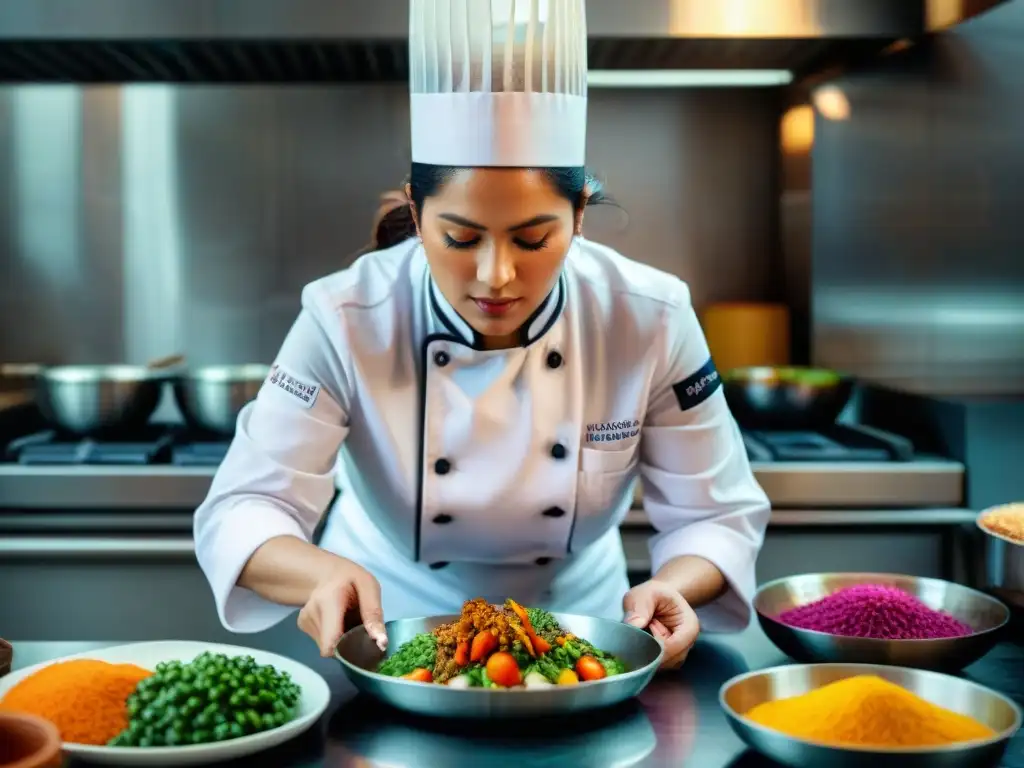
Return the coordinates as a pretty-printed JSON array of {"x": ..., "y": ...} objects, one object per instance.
[{"x": 495, "y": 267}]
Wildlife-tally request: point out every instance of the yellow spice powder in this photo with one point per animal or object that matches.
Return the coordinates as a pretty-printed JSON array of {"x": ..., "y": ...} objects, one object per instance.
[{"x": 867, "y": 711}]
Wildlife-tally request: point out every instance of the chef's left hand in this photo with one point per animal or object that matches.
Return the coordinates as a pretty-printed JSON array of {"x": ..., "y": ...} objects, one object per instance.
[{"x": 657, "y": 606}]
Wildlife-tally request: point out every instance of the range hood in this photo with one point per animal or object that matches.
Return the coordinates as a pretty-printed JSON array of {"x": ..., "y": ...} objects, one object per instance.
[{"x": 94, "y": 41}]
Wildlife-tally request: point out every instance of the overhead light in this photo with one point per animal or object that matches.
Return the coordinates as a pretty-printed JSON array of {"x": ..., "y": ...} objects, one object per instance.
[{"x": 688, "y": 78}]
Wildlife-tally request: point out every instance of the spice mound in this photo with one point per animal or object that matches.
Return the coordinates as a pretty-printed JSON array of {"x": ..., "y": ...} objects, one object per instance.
[
  {"x": 1005, "y": 521},
  {"x": 874, "y": 611},
  {"x": 84, "y": 698},
  {"x": 867, "y": 711}
]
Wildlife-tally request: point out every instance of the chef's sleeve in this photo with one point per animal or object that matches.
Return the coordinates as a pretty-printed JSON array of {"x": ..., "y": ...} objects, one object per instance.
[
  {"x": 278, "y": 476},
  {"x": 700, "y": 493}
]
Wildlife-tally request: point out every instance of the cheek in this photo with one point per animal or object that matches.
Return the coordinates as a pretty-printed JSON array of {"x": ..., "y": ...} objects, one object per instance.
[{"x": 448, "y": 266}]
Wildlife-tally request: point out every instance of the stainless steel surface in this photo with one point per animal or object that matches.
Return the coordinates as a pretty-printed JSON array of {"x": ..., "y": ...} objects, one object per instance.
[
  {"x": 315, "y": 40},
  {"x": 993, "y": 709},
  {"x": 985, "y": 615},
  {"x": 917, "y": 277},
  {"x": 679, "y": 712},
  {"x": 640, "y": 652},
  {"x": 89, "y": 399},
  {"x": 98, "y": 548},
  {"x": 854, "y": 518},
  {"x": 210, "y": 398},
  {"x": 794, "y": 488},
  {"x": 136, "y": 223}
]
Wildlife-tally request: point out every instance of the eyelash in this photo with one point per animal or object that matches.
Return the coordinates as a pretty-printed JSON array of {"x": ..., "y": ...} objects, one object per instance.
[{"x": 462, "y": 245}]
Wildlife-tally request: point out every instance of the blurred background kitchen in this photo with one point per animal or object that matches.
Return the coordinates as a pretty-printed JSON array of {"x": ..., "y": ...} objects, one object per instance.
[{"x": 837, "y": 180}]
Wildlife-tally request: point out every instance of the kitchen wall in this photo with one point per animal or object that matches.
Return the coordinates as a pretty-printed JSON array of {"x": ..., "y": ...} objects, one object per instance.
[
  {"x": 142, "y": 221},
  {"x": 918, "y": 275}
]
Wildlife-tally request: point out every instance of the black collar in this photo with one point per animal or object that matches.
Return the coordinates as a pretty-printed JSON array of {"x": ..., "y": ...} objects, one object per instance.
[{"x": 536, "y": 325}]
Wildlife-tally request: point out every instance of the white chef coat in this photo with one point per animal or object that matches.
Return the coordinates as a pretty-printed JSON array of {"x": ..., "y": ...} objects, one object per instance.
[{"x": 464, "y": 472}]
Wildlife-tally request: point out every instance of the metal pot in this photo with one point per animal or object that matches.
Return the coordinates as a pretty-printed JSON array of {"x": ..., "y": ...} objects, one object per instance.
[
  {"x": 786, "y": 398},
  {"x": 92, "y": 399},
  {"x": 211, "y": 398}
]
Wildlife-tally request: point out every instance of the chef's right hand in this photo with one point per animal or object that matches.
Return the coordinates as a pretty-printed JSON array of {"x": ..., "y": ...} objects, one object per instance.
[{"x": 348, "y": 589}]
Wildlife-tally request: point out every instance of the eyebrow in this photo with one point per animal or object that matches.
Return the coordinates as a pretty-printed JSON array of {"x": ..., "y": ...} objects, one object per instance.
[{"x": 463, "y": 222}]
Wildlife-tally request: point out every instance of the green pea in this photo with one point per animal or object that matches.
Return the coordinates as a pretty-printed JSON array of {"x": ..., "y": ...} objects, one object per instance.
[
  {"x": 150, "y": 715},
  {"x": 268, "y": 721},
  {"x": 235, "y": 700},
  {"x": 252, "y": 701},
  {"x": 201, "y": 737},
  {"x": 172, "y": 737},
  {"x": 267, "y": 696},
  {"x": 240, "y": 718},
  {"x": 146, "y": 741},
  {"x": 254, "y": 718},
  {"x": 222, "y": 732},
  {"x": 280, "y": 718},
  {"x": 237, "y": 729}
]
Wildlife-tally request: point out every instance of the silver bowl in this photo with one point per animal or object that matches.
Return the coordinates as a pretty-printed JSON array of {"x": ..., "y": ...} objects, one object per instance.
[
  {"x": 211, "y": 398},
  {"x": 88, "y": 399},
  {"x": 986, "y": 615},
  {"x": 743, "y": 692},
  {"x": 640, "y": 652}
]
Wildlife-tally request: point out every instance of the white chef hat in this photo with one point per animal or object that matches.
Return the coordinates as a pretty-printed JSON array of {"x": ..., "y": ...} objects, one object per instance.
[{"x": 498, "y": 82}]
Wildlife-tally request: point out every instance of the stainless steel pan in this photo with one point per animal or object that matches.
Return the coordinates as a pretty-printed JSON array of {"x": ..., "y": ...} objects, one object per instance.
[
  {"x": 211, "y": 397},
  {"x": 788, "y": 398},
  {"x": 98, "y": 399}
]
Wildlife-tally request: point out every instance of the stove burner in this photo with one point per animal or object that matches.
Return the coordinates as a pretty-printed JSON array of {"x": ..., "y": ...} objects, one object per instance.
[
  {"x": 840, "y": 442},
  {"x": 47, "y": 448},
  {"x": 199, "y": 454}
]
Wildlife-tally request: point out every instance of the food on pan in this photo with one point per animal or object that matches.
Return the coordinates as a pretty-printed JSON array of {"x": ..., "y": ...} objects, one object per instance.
[
  {"x": 212, "y": 698},
  {"x": 867, "y": 711},
  {"x": 1007, "y": 520},
  {"x": 505, "y": 646},
  {"x": 874, "y": 611}
]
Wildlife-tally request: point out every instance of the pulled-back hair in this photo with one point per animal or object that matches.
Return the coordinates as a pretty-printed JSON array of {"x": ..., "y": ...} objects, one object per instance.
[{"x": 394, "y": 222}]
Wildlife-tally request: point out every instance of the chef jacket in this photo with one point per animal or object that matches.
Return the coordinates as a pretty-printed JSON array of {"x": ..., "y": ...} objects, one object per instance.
[{"x": 467, "y": 472}]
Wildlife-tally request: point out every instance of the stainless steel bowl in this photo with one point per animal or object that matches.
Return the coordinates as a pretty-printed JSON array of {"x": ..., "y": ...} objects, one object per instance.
[
  {"x": 986, "y": 615},
  {"x": 743, "y": 692},
  {"x": 210, "y": 398},
  {"x": 89, "y": 399},
  {"x": 639, "y": 650}
]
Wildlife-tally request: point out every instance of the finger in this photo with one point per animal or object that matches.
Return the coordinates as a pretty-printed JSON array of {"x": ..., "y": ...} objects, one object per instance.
[
  {"x": 659, "y": 630},
  {"x": 331, "y": 625},
  {"x": 639, "y": 607},
  {"x": 370, "y": 611}
]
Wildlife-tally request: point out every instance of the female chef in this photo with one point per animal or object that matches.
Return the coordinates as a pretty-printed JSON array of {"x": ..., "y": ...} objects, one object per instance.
[{"x": 485, "y": 393}]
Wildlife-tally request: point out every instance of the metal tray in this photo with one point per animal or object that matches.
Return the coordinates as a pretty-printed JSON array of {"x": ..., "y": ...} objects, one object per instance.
[{"x": 641, "y": 653}]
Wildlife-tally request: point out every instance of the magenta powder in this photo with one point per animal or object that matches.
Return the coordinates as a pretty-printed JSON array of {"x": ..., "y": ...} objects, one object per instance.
[{"x": 872, "y": 610}]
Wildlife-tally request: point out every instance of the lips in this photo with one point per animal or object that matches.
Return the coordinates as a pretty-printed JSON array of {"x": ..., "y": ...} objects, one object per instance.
[{"x": 495, "y": 307}]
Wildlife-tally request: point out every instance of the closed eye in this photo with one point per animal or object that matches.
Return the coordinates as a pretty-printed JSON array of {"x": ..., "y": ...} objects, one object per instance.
[
  {"x": 535, "y": 245},
  {"x": 451, "y": 242}
]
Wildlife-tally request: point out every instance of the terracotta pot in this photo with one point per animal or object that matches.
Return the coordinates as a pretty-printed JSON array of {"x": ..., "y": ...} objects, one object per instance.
[{"x": 27, "y": 741}]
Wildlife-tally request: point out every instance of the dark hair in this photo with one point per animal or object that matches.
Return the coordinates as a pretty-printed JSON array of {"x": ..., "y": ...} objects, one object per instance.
[{"x": 396, "y": 223}]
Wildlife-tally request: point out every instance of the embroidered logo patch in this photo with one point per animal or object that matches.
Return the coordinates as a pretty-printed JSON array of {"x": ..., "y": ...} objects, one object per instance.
[
  {"x": 301, "y": 390},
  {"x": 695, "y": 389},
  {"x": 610, "y": 431}
]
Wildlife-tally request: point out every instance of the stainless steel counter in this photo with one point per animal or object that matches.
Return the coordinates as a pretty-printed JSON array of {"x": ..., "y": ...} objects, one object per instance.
[
  {"x": 675, "y": 722},
  {"x": 926, "y": 482}
]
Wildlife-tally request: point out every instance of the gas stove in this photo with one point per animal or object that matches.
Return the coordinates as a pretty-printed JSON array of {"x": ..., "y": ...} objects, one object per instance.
[
  {"x": 174, "y": 445},
  {"x": 168, "y": 445}
]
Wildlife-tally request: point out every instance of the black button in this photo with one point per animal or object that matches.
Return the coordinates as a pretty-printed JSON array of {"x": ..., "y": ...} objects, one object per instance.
[
  {"x": 543, "y": 560},
  {"x": 554, "y": 359},
  {"x": 442, "y": 466},
  {"x": 438, "y": 566},
  {"x": 553, "y": 512},
  {"x": 558, "y": 451},
  {"x": 441, "y": 359},
  {"x": 443, "y": 518}
]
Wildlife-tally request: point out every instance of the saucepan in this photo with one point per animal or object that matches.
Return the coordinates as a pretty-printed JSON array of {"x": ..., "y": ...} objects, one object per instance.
[
  {"x": 786, "y": 398},
  {"x": 94, "y": 399},
  {"x": 210, "y": 398}
]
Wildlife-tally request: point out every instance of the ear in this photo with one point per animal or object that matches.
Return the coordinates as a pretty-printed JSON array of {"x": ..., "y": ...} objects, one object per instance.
[
  {"x": 414, "y": 212},
  {"x": 578, "y": 226}
]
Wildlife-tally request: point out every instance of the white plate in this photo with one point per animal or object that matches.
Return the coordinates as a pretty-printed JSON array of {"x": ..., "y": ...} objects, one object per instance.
[{"x": 312, "y": 704}]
